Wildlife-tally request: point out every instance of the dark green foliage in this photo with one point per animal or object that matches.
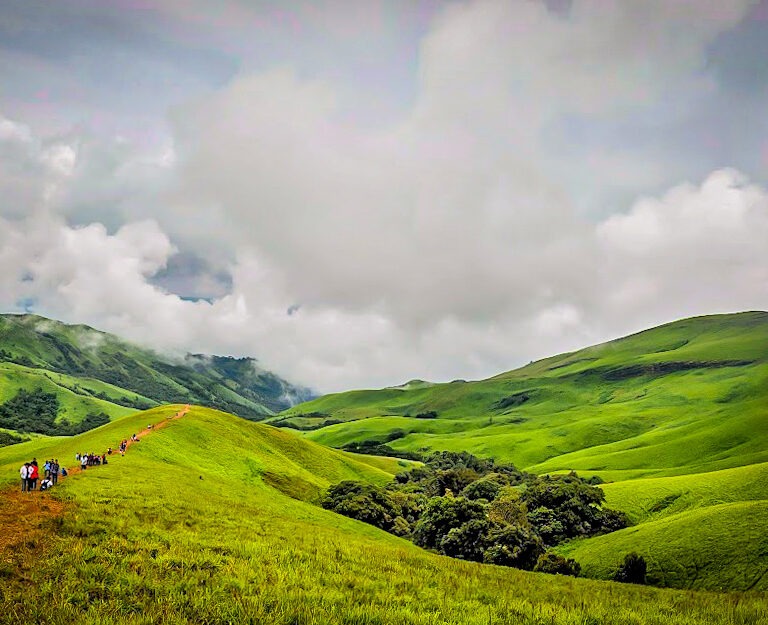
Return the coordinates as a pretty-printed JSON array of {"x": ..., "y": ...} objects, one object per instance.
[
  {"x": 441, "y": 515},
  {"x": 37, "y": 411},
  {"x": 575, "y": 504},
  {"x": 555, "y": 564},
  {"x": 375, "y": 448},
  {"x": 513, "y": 545},
  {"x": 612, "y": 520},
  {"x": 502, "y": 516},
  {"x": 429, "y": 414},
  {"x": 364, "y": 502},
  {"x": 632, "y": 570},
  {"x": 30, "y": 412},
  {"x": 548, "y": 524},
  {"x": 517, "y": 399},
  {"x": 7, "y": 438},
  {"x": 454, "y": 480},
  {"x": 486, "y": 488},
  {"x": 466, "y": 542}
]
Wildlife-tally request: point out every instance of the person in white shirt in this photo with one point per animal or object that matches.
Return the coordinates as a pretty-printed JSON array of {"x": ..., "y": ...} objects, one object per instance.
[{"x": 24, "y": 472}]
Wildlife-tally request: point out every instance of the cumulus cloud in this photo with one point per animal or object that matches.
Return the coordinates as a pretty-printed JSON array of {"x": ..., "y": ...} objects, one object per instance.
[{"x": 451, "y": 242}]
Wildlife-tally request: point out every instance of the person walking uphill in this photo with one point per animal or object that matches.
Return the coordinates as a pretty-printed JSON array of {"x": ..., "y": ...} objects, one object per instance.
[
  {"x": 24, "y": 473},
  {"x": 33, "y": 475}
]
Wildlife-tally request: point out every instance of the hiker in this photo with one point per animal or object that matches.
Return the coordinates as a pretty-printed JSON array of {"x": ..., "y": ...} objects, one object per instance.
[
  {"x": 33, "y": 475},
  {"x": 45, "y": 484},
  {"x": 47, "y": 468},
  {"x": 109, "y": 451},
  {"x": 24, "y": 473},
  {"x": 55, "y": 472},
  {"x": 83, "y": 462},
  {"x": 64, "y": 472},
  {"x": 77, "y": 457},
  {"x": 103, "y": 458}
]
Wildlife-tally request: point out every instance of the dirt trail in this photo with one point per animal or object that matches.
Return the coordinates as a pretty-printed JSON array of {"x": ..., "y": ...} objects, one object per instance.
[{"x": 25, "y": 516}]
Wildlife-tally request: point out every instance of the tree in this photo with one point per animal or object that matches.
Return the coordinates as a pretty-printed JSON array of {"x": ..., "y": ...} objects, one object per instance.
[
  {"x": 486, "y": 488},
  {"x": 441, "y": 515},
  {"x": 555, "y": 564},
  {"x": 466, "y": 542},
  {"x": 364, "y": 502},
  {"x": 574, "y": 503},
  {"x": 513, "y": 545},
  {"x": 632, "y": 570}
]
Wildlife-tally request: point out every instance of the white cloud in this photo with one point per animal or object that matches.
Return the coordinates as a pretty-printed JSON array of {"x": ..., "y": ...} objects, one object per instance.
[{"x": 445, "y": 245}]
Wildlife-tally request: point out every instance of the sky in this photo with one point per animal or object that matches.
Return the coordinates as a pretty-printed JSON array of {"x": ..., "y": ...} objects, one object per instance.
[{"x": 363, "y": 193}]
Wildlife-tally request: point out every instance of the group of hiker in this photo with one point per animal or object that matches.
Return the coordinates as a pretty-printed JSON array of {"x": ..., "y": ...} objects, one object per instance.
[
  {"x": 30, "y": 474},
  {"x": 89, "y": 460},
  {"x": 30, "y": 471}
]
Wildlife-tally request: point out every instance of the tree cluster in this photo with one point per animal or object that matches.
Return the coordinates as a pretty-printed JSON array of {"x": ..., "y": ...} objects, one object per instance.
[
  {"x": 476, "y": 509},
  {"x": 36, "y": 411}
]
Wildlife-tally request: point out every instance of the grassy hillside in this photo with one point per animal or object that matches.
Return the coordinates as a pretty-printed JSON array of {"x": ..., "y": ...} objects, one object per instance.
[
  {"x": 196, "y": 524},
  {"x": 713, "y": 548},
  {"x": 92, "y": 371},
  {"x": 687, "y": 397},
  {"x": 696, "y": 531},
  {"x": 77, "y": 396}
]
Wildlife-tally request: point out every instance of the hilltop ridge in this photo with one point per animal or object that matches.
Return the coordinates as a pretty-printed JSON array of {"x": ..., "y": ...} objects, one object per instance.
[{"x": 91, "y": 370}]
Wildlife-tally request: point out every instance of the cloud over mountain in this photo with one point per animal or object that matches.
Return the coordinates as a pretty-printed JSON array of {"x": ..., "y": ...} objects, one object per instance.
[{"x": 500, "y": 216}]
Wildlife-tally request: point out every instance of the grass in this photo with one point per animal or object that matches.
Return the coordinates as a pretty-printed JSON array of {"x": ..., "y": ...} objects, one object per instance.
[
  {"x": 75, "y": 395},
  {"x": 189, "y": 527},
  {"x": 101, "y": 362},
  {"x": 675, "y": 416},
  {"x": 687, "y": 397},
  {"x": 712, "y": 548}
]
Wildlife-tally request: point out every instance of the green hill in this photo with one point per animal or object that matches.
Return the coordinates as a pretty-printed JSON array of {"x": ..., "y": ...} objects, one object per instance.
[
  {"x": 205, "y": 521},
  {"x": 676, "y": 417},
  {"x": 685, "y": 397},
  {"x": 92, "y": 371}
]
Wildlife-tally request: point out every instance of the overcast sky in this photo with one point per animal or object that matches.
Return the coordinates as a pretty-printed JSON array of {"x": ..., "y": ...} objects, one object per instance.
[{"x": 361, "y": 192}]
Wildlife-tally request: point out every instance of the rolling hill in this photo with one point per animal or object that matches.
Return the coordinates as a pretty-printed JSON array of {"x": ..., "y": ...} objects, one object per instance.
[
  {"x": 686, "y": 397},
  {"x": 94, "y": 372},
  {"x": 208, "y": 520},
  {"x": 676, "y": 417}
]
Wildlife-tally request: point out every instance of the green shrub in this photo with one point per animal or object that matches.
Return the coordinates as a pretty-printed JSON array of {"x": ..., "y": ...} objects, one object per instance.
[
  {"x": 555, "y": 564},
  {"x": 632, "y": 570}
]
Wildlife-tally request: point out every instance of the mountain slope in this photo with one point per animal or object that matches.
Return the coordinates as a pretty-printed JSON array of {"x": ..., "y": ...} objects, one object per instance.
[
  {"x": 685, "y": 397},
  {"x": 99, "y": 367},
  {"x": 188, "y": 528}
]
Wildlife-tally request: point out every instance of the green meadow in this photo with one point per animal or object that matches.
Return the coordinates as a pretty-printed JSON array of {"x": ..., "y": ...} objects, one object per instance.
[
  {"x": 687, "y": 397},
  {"x": 211, "y": 520},
  {"x": 674, "y": 419}
]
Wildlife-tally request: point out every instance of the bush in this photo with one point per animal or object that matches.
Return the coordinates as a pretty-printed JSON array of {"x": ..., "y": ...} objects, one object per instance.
[
  {"x": 441, "y": 515},
  {"x": 612, "y": 520},
  {"x": 486, "y": 488},
  {"x": 363, "y": 502},
  {"x": 632, "y": 570},
  {"x": 555, "y": 564},
  {"x": 466, "y": 542},
  {"x": 513, "y": 545}
]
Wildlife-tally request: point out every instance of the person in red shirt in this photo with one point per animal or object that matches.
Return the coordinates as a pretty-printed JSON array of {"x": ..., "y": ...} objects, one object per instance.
[{"x": 34, "y": 474}]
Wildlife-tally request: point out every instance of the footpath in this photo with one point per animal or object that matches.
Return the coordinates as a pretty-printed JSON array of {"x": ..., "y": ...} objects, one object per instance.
[{"x": 24, "y": 516}]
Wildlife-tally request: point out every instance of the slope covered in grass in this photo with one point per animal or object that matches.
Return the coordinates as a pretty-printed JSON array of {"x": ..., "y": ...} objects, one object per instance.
[
  {"x": 89, "y": 370},
  {"x": 686, "y": 397},
  {"x": 77, "y": 396},
  {"x": 188, "y": 527},
  {"x": 715, "y": 547}
]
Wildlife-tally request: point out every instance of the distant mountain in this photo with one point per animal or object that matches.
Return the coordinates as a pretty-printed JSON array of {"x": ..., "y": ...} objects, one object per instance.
[{"x": 93, "y": 371}]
